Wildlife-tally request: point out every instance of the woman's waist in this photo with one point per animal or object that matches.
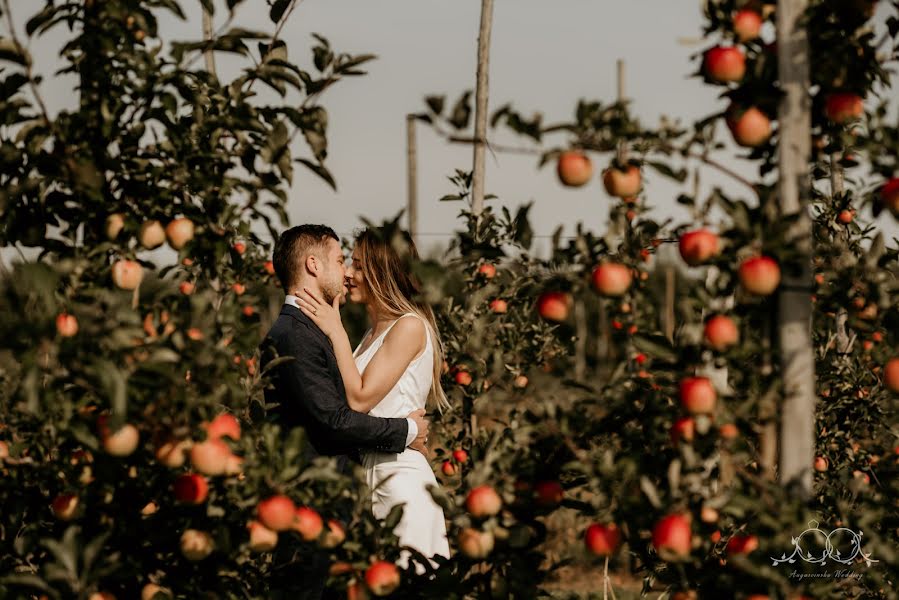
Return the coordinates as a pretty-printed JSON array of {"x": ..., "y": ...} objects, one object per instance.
[{"x": 385, "y": 460}]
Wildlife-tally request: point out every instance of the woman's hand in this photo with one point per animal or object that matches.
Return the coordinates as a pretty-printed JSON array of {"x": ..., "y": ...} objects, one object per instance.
[{"x": 326, "y": 316}]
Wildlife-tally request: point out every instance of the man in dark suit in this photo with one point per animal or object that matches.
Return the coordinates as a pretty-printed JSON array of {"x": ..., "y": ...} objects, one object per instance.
[{"x": 308, "y": 390}]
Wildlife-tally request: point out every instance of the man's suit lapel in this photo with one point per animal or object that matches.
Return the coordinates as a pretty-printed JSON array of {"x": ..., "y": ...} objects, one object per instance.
[{"x": 294, "y": 312}]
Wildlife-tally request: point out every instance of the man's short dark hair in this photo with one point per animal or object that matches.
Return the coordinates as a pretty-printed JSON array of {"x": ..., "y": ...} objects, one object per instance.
[{"x": 293, "y": 245}]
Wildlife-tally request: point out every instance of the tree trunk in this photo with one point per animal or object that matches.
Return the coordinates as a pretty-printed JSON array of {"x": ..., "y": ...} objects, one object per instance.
[
  {"x": 480, "y": 118},
  {"x": 797, "y": 426}
]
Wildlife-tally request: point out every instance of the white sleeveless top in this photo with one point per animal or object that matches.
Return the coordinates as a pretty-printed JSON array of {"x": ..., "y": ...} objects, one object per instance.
[{"x": 411, "y": 391}]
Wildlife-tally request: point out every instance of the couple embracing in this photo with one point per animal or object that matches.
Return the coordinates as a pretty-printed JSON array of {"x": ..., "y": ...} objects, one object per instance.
[{"x": 369, "y": 401}]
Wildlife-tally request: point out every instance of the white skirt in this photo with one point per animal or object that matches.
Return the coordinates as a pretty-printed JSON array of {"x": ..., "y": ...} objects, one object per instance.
[{"x": 423, "y": 526}]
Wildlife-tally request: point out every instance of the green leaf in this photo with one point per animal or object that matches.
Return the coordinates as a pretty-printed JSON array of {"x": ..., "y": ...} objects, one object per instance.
[
  {"x": 656, "y": 346},
  {"x": 667, "y": 171},
  {"x": 278, "y": 9},
  {"x": 393, "y": 517},
  {"x": 435, "y": 103},
  {"x": 321, "y": 171},
  {"x": 12, "y": 52}
]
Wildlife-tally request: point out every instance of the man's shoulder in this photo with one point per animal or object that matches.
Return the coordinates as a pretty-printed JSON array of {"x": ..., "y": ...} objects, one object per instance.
[{"x": 288, "y": 331}]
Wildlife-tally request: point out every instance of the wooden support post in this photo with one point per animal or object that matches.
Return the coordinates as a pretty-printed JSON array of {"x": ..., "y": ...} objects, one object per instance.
[
  {"x": 797, "y": 423},
  {"x": 411, "y": 179},
  {"x": 480, "y": 119}
]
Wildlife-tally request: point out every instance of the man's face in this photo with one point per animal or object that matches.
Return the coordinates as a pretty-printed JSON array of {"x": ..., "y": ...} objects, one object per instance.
[{"x": 331, "y": 279}]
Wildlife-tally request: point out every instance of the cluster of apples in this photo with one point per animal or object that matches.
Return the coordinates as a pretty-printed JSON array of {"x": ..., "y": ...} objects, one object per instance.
[
  {"x": 482, "y": 502},
  {"x": 458, "y": 460},
  {"x": 609, "y": 279},
  {"x": 759, "y": 275},
  {"x": 574, "y": 169},
  {"x": 278, "y": 513},
  {"x": 128, "y": 274}
]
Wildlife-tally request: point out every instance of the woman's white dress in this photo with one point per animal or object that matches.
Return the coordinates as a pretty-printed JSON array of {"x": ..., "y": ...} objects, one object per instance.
[{"x": 423, "y": 526}]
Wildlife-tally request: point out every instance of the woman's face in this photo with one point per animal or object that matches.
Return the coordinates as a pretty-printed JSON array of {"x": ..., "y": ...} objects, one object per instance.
[{"x": 355, "y": 282}]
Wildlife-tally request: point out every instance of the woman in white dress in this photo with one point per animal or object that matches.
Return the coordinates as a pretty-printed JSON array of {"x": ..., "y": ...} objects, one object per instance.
[{"x": 394, "y": 371}]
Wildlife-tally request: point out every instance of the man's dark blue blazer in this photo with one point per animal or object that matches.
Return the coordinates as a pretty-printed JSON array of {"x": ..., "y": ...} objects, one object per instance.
[{"x": 308, "y": 391}]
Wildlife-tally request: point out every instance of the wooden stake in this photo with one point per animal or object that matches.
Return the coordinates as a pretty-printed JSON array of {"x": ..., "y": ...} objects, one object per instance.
[
  {"x": 797, "y": 425},
  {"x": 411, "y": 179},
  {"x": 480, "y": 124},
  {"x": 207, "y": 35}
]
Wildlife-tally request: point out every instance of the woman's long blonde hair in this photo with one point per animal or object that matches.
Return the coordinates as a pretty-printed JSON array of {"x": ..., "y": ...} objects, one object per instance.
[{"x": 386, "y": 256}]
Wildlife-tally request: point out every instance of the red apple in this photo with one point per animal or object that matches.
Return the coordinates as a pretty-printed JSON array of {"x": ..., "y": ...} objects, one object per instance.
[
  {"x": 173, "y": 453},
  {"x": 750, "y": 126},
  {"x": 448, "y": 468},
  {"x": 602, "y": 540},
  {"x": 554, "y": 306},
  {"x": 4, "y": 450},
  {"x": 697, "y": 395},
  {"x": 463, "y": 378},
  {"x": 747, "y": 24},
  {"x": 114, "y": 224},
  {"x": 356, "y": 591},
  {"x": 671, "y": 537},
  {"x": 224, "y": 425},
  {"x": 196, "y": 545},
  {"x": 210, "y": 457},
  {"x": 262, "y": 539},
  {"x": 186, "y": 288},
  {"x": 121, "y": 442},
  {"x": 891, "y": 375},
  {"x": 151, "y": 591},
  {"x": 483, "y": 501},
  {"x": 697, "y": 247},
  {"x": 728, "y": 431},
  {"x": 194, "y": 333},
  {"x": 845, "y": 217},
  {"x": 460, "y": 455},
  {"x": 269, "y": 267},
  {"x": 382, "y": 578},
  {"x": 248, "y": 311},
  {"x": 707, "y": 514},
  {"x": 574, "y": 168},
  {"x": 821, "y": 464},
  {"x": 475, "y": 544},
  {"x": 683, "y": 429},
  {"x": 721, "y": 332},
  {"x": 889, "y": 196},
  {"x": 64, "y": 507},
  {"x": 499, "y": 306},
  {"x": 520, "y": 382},
  {"x": 179, "y": 232},
  {"x": 759, "y": 275},
  {"x": 842, "y": 107},
  {"x": 66, "y": 325},
  {"x": 487, "y": 270},
  {"x": 308, "y": 523},
  {"x": 277, "y": 512},
  {"x": 238, "y": 288},
  {"x": 741, "y": 544},
  {"x": 622, "y": 183},
  {"x": 151, "y": 234},
  {"x": 724, "y": 64},
  {"x": 549, "y": 493},
  {"x": 191, "y": 488},
  {"x": 611, "y": 279},
  {"x": 334, "y": 536},
  {"x": 127, "y": 274},
  {"x": 240, "y": 248}
]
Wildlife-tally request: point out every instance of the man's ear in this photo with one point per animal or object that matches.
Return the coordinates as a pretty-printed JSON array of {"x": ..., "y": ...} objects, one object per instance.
[{"x": 312, "y": 265}]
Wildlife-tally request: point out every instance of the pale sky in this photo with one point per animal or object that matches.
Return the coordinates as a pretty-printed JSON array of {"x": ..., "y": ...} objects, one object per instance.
[{"x": 545, "y": 55}]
